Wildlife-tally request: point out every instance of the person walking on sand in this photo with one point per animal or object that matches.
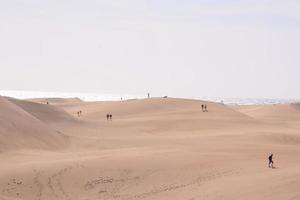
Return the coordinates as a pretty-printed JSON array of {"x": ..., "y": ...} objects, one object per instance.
[
  {"x": 271, "y": 161},
  {"x": 205, "y": 108},
  {"x": 107, "y": 116},
  {"x": 202, "y": 107},
  {"x": 110, "y": 116}
]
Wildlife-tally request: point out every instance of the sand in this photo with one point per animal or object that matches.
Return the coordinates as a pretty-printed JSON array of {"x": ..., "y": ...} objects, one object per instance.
[{"x": 152, "y": 149}]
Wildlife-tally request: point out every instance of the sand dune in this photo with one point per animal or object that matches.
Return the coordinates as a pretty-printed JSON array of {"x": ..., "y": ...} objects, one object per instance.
[
  {"x": 288, "y": 114},
  {"x": 56, "y": 101},
  {"x": 21, "y": 129},
  {"x": 45, "y": 113},
  {"x": 152, "y": 149},
  {"x": 296, "y": 106},
  {"x": 157, "y": 109}
]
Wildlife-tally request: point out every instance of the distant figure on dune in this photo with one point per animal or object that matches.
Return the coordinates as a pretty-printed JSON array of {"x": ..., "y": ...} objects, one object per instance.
[
  {"x": 148, "y": 95},
  {"x": 107, "y": 116},
  {"x": 271, "y": 161},
  {"x": 79, "y": 113},
  {"x": 205, "y": 108},
  {"x": 47, "y": 103},
  {"x": 110, "y": 116},
  {"x": 202, "y": 107}
]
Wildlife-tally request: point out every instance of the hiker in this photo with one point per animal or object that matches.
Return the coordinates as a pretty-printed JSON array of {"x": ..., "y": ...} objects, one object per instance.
[
  {"x": 110, "y": 116},
  {"x": 202, "y": 107},
  {"x": 78, "y": 114},
  {"x": 148, "y": 95},
  {"x": 205, "y": 108},
  {"x": 107, "y": 116},
  {"x": 271, "y": 161}
]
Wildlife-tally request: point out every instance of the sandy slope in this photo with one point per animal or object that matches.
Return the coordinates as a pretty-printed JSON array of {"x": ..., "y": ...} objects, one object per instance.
[
  {"x": 21, "y": 128},
  {"x": 56, "y": 101},
  {"x": 286, "y": 114},
  {"x": 48, "y": 114},
  {"x": 152, "y": 149}
]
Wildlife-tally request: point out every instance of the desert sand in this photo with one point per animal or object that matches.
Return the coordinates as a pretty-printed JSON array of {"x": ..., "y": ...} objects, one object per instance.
[{"x": 158, "y": 148}]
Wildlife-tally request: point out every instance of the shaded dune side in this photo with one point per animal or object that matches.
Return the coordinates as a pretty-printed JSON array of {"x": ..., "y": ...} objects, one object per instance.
[
  {"x": 296, "y": 106},
  {"x": 281, "y": 112},
  {"x": 56, "y": 101},
  {"x": 21, "y": 129},
  {"x": 45, "y": 113}
]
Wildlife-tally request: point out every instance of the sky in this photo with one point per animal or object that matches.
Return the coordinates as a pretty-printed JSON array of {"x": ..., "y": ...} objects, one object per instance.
[{"x": 181, "y": 48}]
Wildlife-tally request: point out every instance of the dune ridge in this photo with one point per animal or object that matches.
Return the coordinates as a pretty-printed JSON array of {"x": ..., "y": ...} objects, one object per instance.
[
  {"x": 24, "y": 128},
  {"x": 157, "y": 148}
]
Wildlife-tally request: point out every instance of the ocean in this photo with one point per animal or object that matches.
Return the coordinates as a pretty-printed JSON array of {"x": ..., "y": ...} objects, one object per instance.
[{"x": 116, "y": 97}]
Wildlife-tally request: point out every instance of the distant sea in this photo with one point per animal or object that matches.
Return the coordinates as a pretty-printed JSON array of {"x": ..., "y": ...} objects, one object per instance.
[{"x": 116, "y": 97}]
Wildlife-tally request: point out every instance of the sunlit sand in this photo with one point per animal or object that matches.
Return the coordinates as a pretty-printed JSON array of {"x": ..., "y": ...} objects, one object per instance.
[{"x": 158, "y": 148}]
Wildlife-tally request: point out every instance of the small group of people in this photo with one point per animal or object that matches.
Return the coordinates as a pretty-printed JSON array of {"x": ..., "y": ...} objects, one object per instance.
[
  {"x": 109, "y": 116},
  {"x": 79, "y": 113},
  {"x": 204, "y": 108}
]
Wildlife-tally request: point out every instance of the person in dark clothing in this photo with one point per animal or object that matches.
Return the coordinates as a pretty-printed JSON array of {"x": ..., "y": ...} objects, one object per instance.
[
  {"x": 205, "y": 108},
  {"x": 202, "y": 107},
  {"x": 271, "y": 161},
  {"x": 110, "y": 116},
  {"x": 107, "y": 116}
]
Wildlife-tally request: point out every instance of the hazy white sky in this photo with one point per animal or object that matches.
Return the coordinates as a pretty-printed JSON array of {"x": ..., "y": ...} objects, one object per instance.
[{"x": 184, "y": 48}]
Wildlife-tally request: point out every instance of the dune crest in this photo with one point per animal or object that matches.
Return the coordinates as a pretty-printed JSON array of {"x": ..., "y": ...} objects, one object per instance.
[
  {"x": 157, "y": 148},
  {"x": 20, "y": 128}
]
